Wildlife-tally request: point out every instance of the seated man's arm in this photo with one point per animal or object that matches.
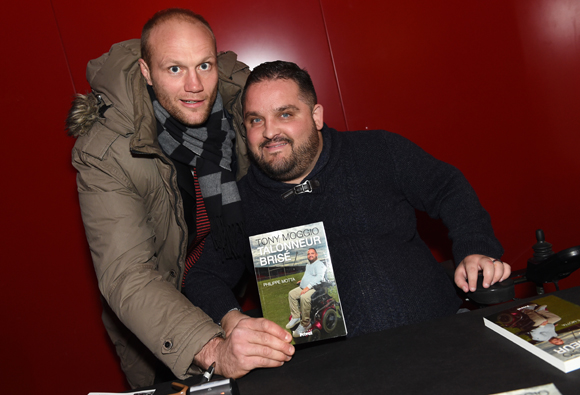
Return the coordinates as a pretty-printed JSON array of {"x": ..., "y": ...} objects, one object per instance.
[
  {"x": 319, "y": 271},
  {"x": 210, "y": 281},
  {"x": 443, "y": 192}
]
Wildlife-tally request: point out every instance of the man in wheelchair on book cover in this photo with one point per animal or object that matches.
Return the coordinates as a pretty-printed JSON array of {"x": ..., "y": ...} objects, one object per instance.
[{"x": 311, "y": 306}]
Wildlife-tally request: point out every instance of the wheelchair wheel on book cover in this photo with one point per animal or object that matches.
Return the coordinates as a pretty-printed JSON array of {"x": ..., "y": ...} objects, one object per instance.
[
  {"x": 330, "y": 320},
  {"x": 316, "y": 335},
  {"x": 506, "y": 319}
]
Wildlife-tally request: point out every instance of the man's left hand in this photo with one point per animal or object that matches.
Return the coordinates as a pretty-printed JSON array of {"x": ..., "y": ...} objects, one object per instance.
[
  {"x": 304, "y": 291},
  {"x": 253, "y": 343},
  {"x": 493, "y": 270}
]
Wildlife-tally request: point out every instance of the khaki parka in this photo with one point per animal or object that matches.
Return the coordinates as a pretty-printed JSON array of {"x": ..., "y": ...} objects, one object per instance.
[{"x": 133, "y": 213}]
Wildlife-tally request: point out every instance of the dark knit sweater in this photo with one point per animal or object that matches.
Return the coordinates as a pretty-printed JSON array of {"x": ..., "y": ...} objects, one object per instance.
[{"x": 371, "y": 182}]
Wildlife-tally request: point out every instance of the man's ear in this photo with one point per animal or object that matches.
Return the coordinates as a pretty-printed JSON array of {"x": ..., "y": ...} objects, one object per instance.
[
  {"x": 318, "y": 116},
  {"x": 145, "y": 71}
]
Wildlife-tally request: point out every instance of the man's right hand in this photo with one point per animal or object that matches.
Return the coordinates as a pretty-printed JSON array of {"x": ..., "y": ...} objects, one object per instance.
[{"x": 251, "y": 343}]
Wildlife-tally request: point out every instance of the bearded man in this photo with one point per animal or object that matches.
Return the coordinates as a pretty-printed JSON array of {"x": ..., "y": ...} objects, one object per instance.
[{"x": 365, "y": 186}]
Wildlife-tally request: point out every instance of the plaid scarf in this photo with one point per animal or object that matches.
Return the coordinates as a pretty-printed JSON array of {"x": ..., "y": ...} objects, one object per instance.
[{"x": 209, "y": 149}]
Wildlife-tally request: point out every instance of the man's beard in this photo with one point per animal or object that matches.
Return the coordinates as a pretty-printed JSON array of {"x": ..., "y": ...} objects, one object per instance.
[
  {"x": 181, "y": 114},
  {"x": 292, "y": 167}
]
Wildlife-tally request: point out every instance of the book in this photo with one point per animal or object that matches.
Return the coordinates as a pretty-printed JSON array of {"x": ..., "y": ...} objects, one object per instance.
[
  {"x": 548, "y": 327},
  {"x": 292, "y": 261},
  {"x": 547, "y": 389}
]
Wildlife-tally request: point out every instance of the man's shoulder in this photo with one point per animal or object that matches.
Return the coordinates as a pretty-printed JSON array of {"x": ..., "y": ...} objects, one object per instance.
[
  {"x": 368, "y": 134},
  {"x": 103, "y": 155},
  {"x": 319, "y": 263},
  {"x": 364, "y": 140},
  {"x": 99, "y": 140}
]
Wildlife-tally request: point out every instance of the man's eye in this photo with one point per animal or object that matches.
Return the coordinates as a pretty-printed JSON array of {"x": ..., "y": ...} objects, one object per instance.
[
  {"x": 285, "y": 115},
  {"x": 256, "y": 120},
  {"x": 174, "y": 69},
  {"x": 204, "y": 66}
]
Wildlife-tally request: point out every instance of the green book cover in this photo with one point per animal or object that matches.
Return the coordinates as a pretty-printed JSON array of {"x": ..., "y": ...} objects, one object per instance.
[{"x": 296, "y": 282}]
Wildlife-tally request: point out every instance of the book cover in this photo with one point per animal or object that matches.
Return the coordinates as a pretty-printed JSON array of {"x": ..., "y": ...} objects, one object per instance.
[
  {"x": 548, "y": 327},
  {"x": 296, "y": 282}
]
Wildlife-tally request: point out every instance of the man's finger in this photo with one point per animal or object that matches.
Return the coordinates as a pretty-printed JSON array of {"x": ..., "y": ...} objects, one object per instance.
[
  {"x": 267, "y": 326},
  {"x": 460, "y": 278},
  {"x": 472, "y": 267}
]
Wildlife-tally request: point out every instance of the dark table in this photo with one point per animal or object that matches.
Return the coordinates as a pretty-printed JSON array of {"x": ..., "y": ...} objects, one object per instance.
[{"x": 453, "y": 355}]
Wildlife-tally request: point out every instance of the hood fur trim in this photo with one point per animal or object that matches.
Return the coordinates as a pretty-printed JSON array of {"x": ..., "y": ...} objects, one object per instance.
[{"x": 83, "y": 114}]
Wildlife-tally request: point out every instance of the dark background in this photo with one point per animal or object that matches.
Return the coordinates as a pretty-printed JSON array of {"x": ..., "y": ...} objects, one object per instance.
[{"x": 490, "y": 86}]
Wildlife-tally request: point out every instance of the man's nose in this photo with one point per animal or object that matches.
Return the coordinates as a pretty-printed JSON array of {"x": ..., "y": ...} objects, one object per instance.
[
  {"x": 270, "y": 130},
  {"x": 193, "y": 83}
]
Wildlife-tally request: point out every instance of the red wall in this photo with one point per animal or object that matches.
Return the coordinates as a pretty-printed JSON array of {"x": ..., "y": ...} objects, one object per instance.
[{"x": 489, "y": 86}]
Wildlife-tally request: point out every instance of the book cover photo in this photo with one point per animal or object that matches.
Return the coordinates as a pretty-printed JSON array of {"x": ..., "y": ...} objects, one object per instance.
[
  {"x": 548, "y": 327},
  {"x": 296, "y": 282}
]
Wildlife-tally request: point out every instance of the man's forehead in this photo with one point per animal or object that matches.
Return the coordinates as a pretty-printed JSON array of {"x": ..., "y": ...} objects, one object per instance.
[
  {"x": 278, "y": 84},
  {"x": 275, "y": 93},
  {"x": 182, "y": 36}
]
